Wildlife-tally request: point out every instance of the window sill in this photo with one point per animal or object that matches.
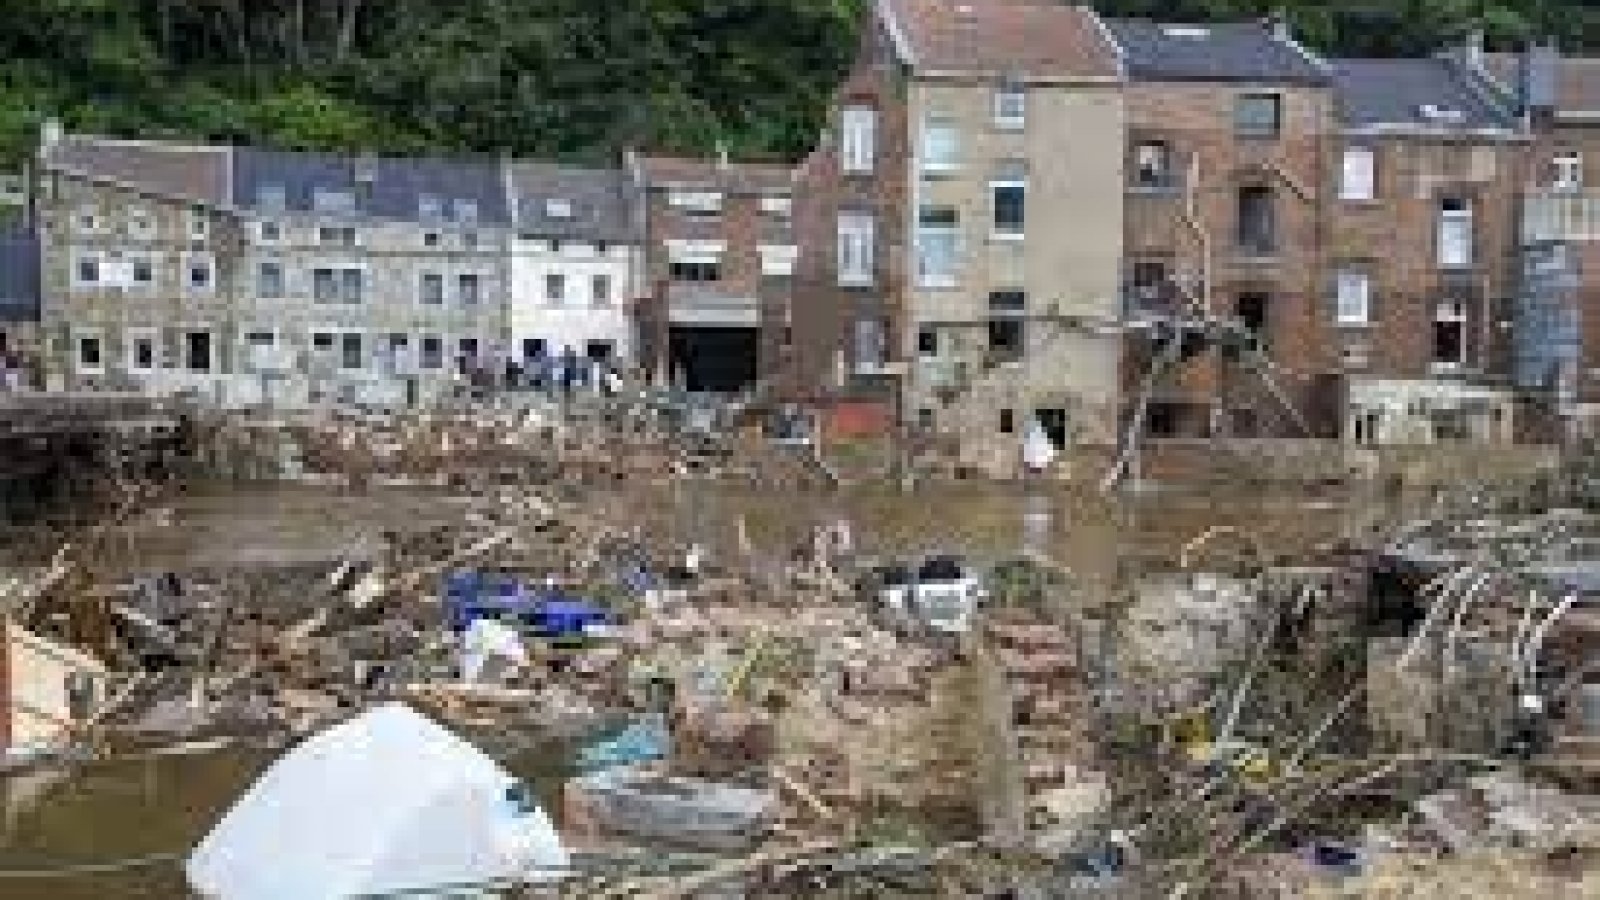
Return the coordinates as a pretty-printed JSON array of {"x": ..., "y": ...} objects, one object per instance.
[
  {"x": 856, "y": 282},
  {"x": 1353, "y": 323},
  {"x": 1361, "y": 202},
  {"x": 1007, "y": 237},
  {"x": 1010, "y": 125},
  {"x": 940, "y": 170},
  {"x": 1171, "y": 189},
  {"x": 940, "y": 284}
]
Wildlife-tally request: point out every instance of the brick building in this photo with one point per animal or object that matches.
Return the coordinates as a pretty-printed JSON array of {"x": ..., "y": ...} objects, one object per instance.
[
  {"x": 719, "y": 253},
  {"x": 1229, "y": 139},
  {"x": 1556, "y": 353},
  {"x": 1422, "y": 253}
]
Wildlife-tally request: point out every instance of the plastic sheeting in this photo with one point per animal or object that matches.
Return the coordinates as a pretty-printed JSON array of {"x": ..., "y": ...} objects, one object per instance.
[{"x": 388, "y": 801}]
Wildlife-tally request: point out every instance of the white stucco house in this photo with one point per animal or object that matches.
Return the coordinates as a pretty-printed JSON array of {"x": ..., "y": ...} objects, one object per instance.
[{"x": 575, "y": 263}]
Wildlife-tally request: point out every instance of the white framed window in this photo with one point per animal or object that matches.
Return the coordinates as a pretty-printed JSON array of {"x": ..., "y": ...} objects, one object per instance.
[
  {"x": 1010, "y": 107},
  {"x": 555, "y": 288},
  {"x": 1450, "y": 334},
  {"x": 269, "y": 280},
  {"x": 338, "y": 285},
  {"x": 1455, "y": 237},
  {"x": 199, "y": 276},
  {"x": 141, "y": 270},
  {"x": 337, "y": 236},
  {"x": 941, "y": 145},
  {"x": 600, "y": 290},
  {"x": 199, "y": 224},
  {"x": 465, "y": 211},
  {"x": 86, "y": 220},
  {"x": 938, "y": 246},
  {"x": 557, "y": 208},
  {"x": 90, "y": 351},
  {"x": 429, "y": 208},
  {"x": 141, "y": 347},
  {"x": 269, "y": 232},
  {"x": 858, "y": 139},
  {"x": 855, "y": 249},
  {"x": 430, "y": 289},
  {"x": 871, "y": 343},
  {"x": 86, "y": 270},
  {"x": 469, "y": 288},
  {"x": 431, "y": 355},
  {"x": 352, "y": 355},
  {"x": 1010, "y": 206},
  {"x": 699, "y": 203},
  {"x": 1354, "y": 297},
  {"x": 777, "y": 207},
  {"x": 1566, "y": 171},
  {"x": 1358, "y": 175},
  {"x": 777, "y": 260}
]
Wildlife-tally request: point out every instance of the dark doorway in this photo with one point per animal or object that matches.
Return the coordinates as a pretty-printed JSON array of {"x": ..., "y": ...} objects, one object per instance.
[
  {"x": 1253, "y": 312},
  {"x": 197, "y": 347},
  {"x": 1054, "y": 423},
  {"x": 714, "y": 360}
]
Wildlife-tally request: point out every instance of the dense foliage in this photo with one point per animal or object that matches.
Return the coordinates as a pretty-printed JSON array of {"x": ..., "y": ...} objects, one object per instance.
[{"x": 562, "y": 78}]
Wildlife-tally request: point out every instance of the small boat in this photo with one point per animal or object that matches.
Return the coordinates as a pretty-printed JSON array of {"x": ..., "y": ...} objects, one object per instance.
[{"x": 685, "y": 811}]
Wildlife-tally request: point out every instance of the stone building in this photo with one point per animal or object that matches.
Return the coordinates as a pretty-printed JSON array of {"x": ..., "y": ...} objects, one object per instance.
[
  {"x": 576, "y": 263},
  {"x": 1230, "y": 132},
  {"x": 718, "y": 260},
  {"x": 138, "y": 251},
  {"x": 1421, "y": 253},
  {"x": 370, "y": 277}
]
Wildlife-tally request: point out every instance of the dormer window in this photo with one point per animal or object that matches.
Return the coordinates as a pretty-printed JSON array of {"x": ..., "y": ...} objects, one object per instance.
[
  {"x": 697, "y": 203},
  {"x": 330, "y": 201},
  {"x": 1439, "y": 115},
  {"x": 558, "y": 208},
  {"x": 466, "y": 211},
  {"x": 1010, "y": 107},
  {"x": 430, "y": 208},
  {"x": 271, "y": 197}
]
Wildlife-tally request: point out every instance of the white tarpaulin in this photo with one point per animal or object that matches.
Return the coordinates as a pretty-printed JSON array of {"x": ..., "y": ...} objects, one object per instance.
[
  {"x": 1038, "y": 452},
  {"x": 487, "y": 648},
  {"x": 388, "y": 801}
]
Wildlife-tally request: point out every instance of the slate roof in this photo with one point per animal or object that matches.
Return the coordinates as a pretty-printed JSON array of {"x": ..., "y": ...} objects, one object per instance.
[
  {"x": 397, "y": 185},
  {"x": 1228, "y": 51},
  {"x": 1577, "y": 79},
  {"x": 178, "y": 171},
  {"x": 19, "y": 277},
  {"x": 599, "y": 200},
  {"x": 1021, "y": 37},
  {"x": 708, "y": 174},
  {"x": 1392, "y": 92}
]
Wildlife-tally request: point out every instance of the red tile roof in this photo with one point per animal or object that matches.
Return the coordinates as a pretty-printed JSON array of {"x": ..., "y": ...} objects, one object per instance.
[{"x": 1022, "y": 37}]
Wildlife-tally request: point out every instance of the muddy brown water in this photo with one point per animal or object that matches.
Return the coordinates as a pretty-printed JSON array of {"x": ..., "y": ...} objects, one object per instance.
[{"x": 116, "y": 810}]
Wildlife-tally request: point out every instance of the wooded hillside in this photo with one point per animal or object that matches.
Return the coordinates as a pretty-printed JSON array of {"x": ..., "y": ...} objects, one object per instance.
[{"x": 573, "y": 79}]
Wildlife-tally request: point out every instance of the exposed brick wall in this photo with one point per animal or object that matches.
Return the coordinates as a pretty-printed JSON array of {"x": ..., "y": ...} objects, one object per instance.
[
  {"x": 825, "y": 313},
  {"x": 1195, "y": 120}
]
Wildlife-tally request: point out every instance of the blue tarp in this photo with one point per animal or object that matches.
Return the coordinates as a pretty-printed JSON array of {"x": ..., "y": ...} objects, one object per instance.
[
  {"x": 469, "y": 596},
  {"x": 643, "y": 741}
]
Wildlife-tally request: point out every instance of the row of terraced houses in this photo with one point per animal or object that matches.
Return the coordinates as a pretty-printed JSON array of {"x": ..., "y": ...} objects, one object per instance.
[{"x": 1020, "y": 216}]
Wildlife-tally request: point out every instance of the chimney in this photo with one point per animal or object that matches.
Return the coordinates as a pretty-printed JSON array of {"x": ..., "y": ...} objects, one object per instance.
[
  {"x": 1278, "y": 23},
  {"x": 1539, "y": 75},
  {"x": 1472, "y": 48}
]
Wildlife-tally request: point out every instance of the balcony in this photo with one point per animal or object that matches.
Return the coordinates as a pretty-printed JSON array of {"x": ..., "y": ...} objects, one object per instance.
[
  {"x": 1560, "y": 215},
  {"x": 709, "y": 305}
]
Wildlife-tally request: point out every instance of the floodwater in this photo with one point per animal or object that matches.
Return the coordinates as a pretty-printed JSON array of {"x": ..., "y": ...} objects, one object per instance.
[
  {"x": 122, "y": 810},
  {"x": 116, "y": 810}
]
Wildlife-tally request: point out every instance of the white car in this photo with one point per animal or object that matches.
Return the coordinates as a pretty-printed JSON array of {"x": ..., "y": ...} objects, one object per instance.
[{"x": 942, "y": 593}]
